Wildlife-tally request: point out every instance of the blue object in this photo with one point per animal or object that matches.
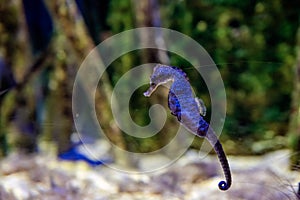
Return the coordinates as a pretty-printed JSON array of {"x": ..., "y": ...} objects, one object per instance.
[
  {"x": 39, "y": 22},
  {"x": 7, "y": 80},
  {"x": 73, "y": 154},
  {"x": 94, "y": 13}
]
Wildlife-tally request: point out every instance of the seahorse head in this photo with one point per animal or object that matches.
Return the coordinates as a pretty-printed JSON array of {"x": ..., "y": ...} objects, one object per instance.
[{"x": 161, "y": 74}]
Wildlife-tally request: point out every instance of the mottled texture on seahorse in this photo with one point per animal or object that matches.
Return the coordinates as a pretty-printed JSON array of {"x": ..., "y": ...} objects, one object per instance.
[{"x": 188, "y": 110}]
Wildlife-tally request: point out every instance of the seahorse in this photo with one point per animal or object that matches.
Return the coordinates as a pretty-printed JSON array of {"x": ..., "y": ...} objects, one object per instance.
[{"x": 188, "y": 110}]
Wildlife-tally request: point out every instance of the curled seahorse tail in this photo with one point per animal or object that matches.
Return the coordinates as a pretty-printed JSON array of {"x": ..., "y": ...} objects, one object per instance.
[{"x": 223, "y": 185}]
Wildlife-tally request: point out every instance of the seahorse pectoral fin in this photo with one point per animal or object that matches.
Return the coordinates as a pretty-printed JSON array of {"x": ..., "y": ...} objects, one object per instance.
[
  {"x": 201, "y": 106},
  {"x": 151, "y": 89}
]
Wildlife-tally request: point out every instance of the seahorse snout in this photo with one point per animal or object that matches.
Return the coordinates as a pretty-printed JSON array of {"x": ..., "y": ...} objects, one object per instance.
[{"x": 150, "y": 90}]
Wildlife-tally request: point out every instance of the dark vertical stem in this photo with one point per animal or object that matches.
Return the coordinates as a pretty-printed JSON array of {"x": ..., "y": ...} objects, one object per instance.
[
  {"x": 223, "y": 160},
  {"x": 3, "y": 141},
  {"x": 294, "y": 119}
]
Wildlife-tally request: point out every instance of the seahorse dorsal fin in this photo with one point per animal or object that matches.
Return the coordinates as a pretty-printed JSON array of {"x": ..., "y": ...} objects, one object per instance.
[
  {"x": 181, "y": 72},
  {"x": 201, "y": 106}
]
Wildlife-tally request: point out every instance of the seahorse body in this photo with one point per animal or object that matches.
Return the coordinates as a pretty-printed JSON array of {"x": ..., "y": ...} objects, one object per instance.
[{"x": 188, "y": 110}]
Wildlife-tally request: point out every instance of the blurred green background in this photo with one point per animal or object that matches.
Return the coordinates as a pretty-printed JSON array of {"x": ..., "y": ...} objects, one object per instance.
[{"x": 255, "y": 44}]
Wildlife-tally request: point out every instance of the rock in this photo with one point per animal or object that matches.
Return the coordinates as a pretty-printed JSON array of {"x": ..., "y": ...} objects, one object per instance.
[
  {"x": 151, "y": 163},
  {"x": 45, "y": 177}
]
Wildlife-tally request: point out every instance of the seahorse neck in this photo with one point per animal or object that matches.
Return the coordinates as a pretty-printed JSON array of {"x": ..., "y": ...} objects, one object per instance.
[{"x": 181, "y": 88}]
